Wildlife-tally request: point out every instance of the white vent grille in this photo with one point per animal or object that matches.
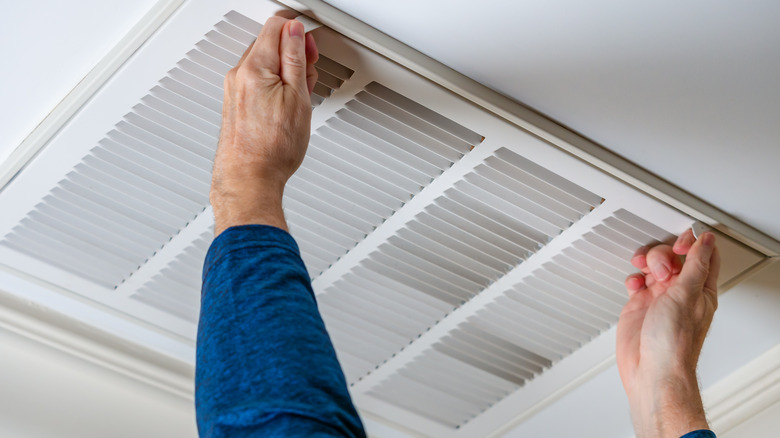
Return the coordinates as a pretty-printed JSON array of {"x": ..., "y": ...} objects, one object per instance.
[
  {"x": 176, "y": 288},
  {"x": 552, "y": 312},
  {"x": 445, "y": 397},
  {"x": 150, "y": 176},
  {"x": 362, "y": 166},
  {"x": 494, "y": 218},
  {"x": 357, "y": 174},
  {"x": 331, "y": 76}
]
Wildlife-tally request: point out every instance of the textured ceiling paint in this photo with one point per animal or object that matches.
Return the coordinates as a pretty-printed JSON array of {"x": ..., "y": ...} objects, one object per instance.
[
  {"x": 48, "y": 47},
  {"x": 688, "y": 90}
]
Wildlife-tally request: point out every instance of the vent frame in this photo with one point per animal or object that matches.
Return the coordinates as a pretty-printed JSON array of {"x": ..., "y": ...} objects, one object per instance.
[
  {"x": 539, "y": 125},
  {"x": 446, "y": 103}
]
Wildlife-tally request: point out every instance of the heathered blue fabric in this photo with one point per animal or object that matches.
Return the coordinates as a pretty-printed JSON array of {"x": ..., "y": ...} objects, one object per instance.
[
  {"x": 700, "y": 434},
  {"x": 265, "y": 364}
]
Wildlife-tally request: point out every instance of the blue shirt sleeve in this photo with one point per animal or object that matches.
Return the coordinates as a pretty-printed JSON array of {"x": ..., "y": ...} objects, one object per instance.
[
  {"x": 700, "y": 434},
  {"x": 265, "y": 363}
]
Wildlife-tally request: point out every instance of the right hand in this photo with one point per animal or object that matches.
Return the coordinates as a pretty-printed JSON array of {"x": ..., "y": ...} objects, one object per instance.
[{"x": 266, "y": 121}]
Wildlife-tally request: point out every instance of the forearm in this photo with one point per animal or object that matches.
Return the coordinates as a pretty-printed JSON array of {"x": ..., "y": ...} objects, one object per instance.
[{"x": 667, "y": 406}]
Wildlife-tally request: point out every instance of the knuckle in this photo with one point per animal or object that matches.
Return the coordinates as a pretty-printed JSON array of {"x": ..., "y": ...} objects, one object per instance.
[
  {"x": 276, "y": 19},
  {"x": 230, "y": 77},
  {"x": 659, "y": 251},
  {"x": 293, "y": 60},
  {"x": 246, "y": 76}
]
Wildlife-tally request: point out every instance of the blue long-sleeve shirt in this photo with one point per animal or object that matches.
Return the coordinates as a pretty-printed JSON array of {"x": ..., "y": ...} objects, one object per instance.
[{"x": 265, "y": 364}]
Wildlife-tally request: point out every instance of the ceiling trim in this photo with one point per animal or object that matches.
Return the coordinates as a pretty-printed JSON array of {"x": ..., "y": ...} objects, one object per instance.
[
  {"x": 85, "y": 89},
  {"x": 744, "y": 393},
  {"x": 741, "y": 395},
  {"x": 535, "y": 123},
  {"x": 75, "y": 338}
]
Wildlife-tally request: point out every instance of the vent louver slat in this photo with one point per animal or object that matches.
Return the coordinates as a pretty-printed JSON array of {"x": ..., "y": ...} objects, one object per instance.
[
  {"x": 176, "y": 288},
  {"x": 345, "y": 185},
  {"x": 450, "y": 127},
  {"x": 242, "y": 21},
  {"x": 471, "y": 385},
  {"x": 553, "y": 311},
  {"x": 464, "y": 240},
  {"x": 379, "y": 162}
]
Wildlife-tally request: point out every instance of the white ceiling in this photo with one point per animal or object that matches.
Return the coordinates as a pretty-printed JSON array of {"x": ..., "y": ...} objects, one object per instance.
[
  {"x": 688, "y": 90},
  {"x": 48, "y": 47}
]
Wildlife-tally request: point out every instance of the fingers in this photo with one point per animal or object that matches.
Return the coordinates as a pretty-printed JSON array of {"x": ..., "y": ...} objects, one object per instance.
[
  {"x": 311, "y": 77},
  {"x": 702, "y": 266},
  {"x": 243, "y": 57},
  {"x": 635, "y": 283},
  {"x": 293, "y": 55},
  {"x": 639, "y": 259},
  {"x": 312, "y": 55},
  {"x": 663, "y": 263},
  {"x": 711, "y": 283},
  {"x": 284, "y": 50},
  {"x": 265, "y": 51},
  {"x": 684, "y": 242}
]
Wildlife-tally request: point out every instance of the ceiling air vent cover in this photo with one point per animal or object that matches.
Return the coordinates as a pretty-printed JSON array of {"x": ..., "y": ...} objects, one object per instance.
[{"x": 465, "y": 268}]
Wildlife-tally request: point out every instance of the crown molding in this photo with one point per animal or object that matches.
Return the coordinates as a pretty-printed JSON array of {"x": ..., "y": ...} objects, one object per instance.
[
  {"x": 744, "y": 393},
  {"x": 74, "y": 337}
]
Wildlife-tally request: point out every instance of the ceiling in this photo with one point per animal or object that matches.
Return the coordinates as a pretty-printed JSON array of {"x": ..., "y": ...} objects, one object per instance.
[
  {"x": 51, "y": 45},
  {"x": 687, "y": 90}
]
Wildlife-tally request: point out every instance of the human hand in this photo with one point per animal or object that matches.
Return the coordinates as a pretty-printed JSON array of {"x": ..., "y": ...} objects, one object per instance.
[
  {"x": 661, "y": 332},
  {"x": 266, "y": 122}
]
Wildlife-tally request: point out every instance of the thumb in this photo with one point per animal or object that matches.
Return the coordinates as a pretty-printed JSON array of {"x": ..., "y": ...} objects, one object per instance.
[
  {"x": 293, "y": 56},
  {"x": 699, "y": 270}
]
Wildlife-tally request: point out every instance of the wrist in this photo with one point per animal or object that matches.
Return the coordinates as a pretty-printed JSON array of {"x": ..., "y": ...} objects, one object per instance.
[
  {"x": 667, "y": 406},
  {"x": 251, "y": 201}
]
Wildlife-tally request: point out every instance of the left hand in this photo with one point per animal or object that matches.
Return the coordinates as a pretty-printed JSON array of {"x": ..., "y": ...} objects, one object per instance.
[{"x": 661, "y": 332}]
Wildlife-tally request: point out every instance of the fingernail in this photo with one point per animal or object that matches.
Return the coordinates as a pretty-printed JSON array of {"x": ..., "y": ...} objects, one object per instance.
[
  {"x": 296, "y": 29},
  {"x": 660, "y": 271},
  {"x": 708, "y": 239}
]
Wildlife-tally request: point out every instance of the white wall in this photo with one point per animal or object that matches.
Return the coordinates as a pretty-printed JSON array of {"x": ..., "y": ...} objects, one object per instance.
[
  {"x": 45, "y": 393},
  {"x": 765, "y": 424}
]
